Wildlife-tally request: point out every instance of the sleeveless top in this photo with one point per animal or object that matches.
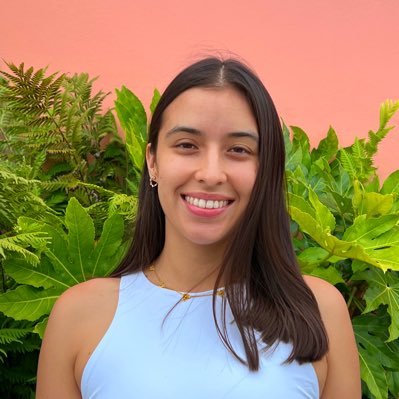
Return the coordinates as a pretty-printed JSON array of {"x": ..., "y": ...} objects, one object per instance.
[{"x": 152, "y": 351}]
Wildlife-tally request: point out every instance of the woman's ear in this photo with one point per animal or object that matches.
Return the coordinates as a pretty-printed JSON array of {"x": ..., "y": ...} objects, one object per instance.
[{"x": 151, "y": 164}]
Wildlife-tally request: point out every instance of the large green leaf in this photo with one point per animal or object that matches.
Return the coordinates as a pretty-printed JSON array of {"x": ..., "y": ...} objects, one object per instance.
[
  {"x": 375, "y": 204},
  {"x": 379, "y": 237},
  {"x": 301, "y": 140},
  {"x": 155, "y": 99},
  {"x": 328, "y": 147},
  {"x": 391, "y": 184},
  {"x": 107, "y": 246},
  {"x": 80, "y": 236},
  {"x": 41, "y": 276},
  {"x": 330, "y": 274},
  {"x": 323, "y": 215},
  {"x": 65, "y": 267},
  {"x": 312, "y": 257},
  {"x": 28, "y": 303},
  {"x": 69, "y": 258},
  {"x": 41, "y": 327},
  {"x": 369, "y": 231},
  {"x": 372, "y": 240},
  {"x": 383, "y": 290},
  {"x": 374, "y": 353},
  {"x": 293, "y": 159},
  {"x": 133, "y": 120}
]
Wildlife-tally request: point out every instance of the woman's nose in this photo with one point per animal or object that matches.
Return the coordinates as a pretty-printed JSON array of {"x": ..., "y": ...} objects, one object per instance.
[{"x": 211, "y": 169}]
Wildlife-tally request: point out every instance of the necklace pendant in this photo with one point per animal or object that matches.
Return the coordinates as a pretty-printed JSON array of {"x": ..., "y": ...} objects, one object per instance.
[
  {"x": 185, "y": 297},
  {"x": 220, "y": 292}
]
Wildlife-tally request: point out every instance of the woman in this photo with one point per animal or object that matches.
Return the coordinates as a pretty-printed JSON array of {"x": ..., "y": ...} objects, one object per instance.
[{"x": 209, "y": 302}]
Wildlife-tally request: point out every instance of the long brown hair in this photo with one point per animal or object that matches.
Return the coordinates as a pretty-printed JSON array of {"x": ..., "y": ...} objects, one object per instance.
[{"x": 264, "y": 286}]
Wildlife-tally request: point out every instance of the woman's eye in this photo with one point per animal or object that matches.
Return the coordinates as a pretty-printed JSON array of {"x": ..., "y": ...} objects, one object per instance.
[
  {"x": 240, "y": 150},
  {"x": 186, "y": 146}
]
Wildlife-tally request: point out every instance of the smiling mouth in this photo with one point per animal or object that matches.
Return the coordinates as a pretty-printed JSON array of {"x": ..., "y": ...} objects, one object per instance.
[{"x": 206, "y": 204}]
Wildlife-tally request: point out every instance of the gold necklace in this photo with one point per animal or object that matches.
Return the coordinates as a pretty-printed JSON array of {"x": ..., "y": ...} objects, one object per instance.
[{"x": 185, "y": 296}]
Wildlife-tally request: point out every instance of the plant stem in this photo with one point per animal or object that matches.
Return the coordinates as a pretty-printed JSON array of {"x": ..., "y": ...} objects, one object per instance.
[
  {"x": 353, "y": 292},
  {"x": 3, "y": 277}
]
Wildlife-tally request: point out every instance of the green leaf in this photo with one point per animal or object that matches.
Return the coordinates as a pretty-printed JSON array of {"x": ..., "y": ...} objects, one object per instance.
[
  {"x": 41, "y": 276},
  {"x": 382, "y": 258},
  {"x": 383, "y": 290},
  {"x": 155, "y": 99},
  {"x": 393, "y": 383},
  {"x": 391, "y": 184},
  {"x": 348, "y": 162},
  {"x": 330, "y": 274},
  {"x": 8, "y": 335},
  {"x": 312, "y": 257},
  {"x": 367, "y": 230},
  {"x": 387, "y": 111},
  {"x": 375, "y": 204},
  {"x": 28, "y": 303},
  {"x": 287, "y": 139},
  {"x": 80, "y": 235},
  {"x": 323, "y": 215},
  {"x": 293, "y": 159},
  {"x": 133, "y": 120},
  {"x": 41, "y": 327},
  {"x": 10, "y": 244},
  {"x": 107, "y": 246},
  {"x": 374, "y": 353},
  {"x": 67, "y": 269},
  {"x": 301, "y": 140},
  {"x": 379, "y": 238},
  {"x": 328, "y": 147}
]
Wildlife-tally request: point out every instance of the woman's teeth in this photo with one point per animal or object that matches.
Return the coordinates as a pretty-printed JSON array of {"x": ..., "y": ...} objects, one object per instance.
[{"x": 208, "y": 204}]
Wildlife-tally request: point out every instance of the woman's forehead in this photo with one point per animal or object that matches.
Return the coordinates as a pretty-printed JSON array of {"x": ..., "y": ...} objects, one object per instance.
[{"x": 223, "y": 107}]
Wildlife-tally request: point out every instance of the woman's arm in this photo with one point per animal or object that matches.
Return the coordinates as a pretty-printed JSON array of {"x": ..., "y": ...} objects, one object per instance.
[
  {"x": 55, "y": 377},
  {"x": 343, "y": 373},
  {"x": 77, "y": 323}
]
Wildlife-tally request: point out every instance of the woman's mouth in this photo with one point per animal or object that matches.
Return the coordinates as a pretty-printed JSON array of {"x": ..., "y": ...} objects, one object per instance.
[{"x": 206, "y": 203}]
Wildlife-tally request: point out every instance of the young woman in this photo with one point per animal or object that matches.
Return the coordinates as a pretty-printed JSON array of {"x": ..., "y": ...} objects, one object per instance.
[{"x": 209, "y": 302}]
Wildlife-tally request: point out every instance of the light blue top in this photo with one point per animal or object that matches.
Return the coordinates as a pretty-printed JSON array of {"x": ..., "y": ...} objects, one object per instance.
[{"x": 182, "y": 358}]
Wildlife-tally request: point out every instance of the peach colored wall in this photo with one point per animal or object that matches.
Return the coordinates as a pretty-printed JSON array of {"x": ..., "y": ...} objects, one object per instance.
[{"x": 324, "y": 62}]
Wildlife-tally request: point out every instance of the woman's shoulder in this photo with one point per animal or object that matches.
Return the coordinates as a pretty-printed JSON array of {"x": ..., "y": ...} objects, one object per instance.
[
  {"x": 331, "y": 302},
  {"x": 326, "y": 294},
  {"x": 84, "y": 310},
  {"x": 86, "y": 297},
  {"x": 343, "y": 376}
]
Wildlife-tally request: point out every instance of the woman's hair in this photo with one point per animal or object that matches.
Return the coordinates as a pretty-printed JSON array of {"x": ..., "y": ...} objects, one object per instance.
[{"x": 264, "y": 286}]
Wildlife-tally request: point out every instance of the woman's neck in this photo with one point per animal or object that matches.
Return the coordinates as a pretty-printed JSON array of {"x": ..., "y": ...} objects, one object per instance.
[{"x": 188, "y": 267}]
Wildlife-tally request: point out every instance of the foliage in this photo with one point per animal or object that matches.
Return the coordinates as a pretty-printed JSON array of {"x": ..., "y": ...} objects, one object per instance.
[
  {"x": 68, "y": 189},
  {"x": 53, "y": 127},
  {"x": 346, "y": 230},
  {"x": 59, "y": 151},
  {"x": 133, "y": 120}
]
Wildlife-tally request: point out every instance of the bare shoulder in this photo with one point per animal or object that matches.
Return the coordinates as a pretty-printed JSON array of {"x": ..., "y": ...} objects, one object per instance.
[
  {"x": 84, "y": 310},
  {"x": 343, "y": 374},
  {"x": 85, "y": 298},
  {"x": 328, "y": 297}
]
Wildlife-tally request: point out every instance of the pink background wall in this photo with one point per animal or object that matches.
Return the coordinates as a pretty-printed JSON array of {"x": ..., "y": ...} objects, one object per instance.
[{"x": 324, "y": 62}]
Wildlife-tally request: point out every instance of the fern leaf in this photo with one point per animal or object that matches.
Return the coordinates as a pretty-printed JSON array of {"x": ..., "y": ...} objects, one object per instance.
[
  {"x": 10, "y": 245},
  {"x": 348, "y": 162},
  {"x": 8, "y": 335}
]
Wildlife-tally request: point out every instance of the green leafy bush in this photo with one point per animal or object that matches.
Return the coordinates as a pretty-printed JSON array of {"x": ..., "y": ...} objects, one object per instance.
[
  {"x": 68, "y": 189},
  {"x": 346, "y": 230}
]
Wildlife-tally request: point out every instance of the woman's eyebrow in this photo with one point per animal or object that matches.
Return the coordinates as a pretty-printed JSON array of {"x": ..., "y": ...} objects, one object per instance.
[
  {"x": 196, "y": 132},
  {"x": 185, "y": 129}
]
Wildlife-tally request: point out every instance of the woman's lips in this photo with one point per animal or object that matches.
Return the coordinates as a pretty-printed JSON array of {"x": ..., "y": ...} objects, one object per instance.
[{"x": 206, "y": 207}]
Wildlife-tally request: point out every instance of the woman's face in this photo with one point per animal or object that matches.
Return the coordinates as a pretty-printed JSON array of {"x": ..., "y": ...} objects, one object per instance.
[{"x": 205, "y": 164}]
